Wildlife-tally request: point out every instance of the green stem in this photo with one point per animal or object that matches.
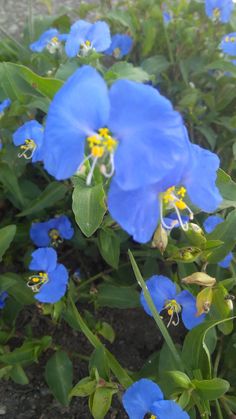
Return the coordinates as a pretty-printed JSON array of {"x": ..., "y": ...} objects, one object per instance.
[
  {"x": 217, "y": 360},
  {"x": 218, "y": 410},
  {"x": 171, "y": 56},
  {"x": 115, "y": 366},
  {"x": 155, "y": 313}
]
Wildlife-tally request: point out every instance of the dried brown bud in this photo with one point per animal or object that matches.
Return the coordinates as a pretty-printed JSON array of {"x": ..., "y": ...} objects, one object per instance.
[
  {"x": 160, "y": 239},
  {"x": 200, "y": 278}
]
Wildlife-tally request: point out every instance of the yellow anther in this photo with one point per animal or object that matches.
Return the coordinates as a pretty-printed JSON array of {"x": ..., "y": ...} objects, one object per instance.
[
  {"x": 87, "y": 43},
  {"x": 153, "y": 417},
  {"x": 35, "y": 279},
  {"x": 182, "y": 192},
  {"x": 103, "y": 131},
  {"x": 216, "y": 12},
  {"x": 54, "y": 234},
  {"x": 170, "y": 311},
  {"x": 94, "y": 140},
  {"x": 116, "y": 52},
  {"x": 181, "y": 205},
  {"x": 97, "y": 151},
  {"x": 110, "y": 143}
]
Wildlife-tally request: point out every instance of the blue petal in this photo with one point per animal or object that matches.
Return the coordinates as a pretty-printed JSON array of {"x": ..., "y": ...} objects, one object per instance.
[
  {"x": 211, "y": 222},
  {"x": 225, "y": 263},
  {"x": 63, "y": 225},
  {"x": 189, "y": 310},
  {"x": 152, "y": 140},
  {"x": 200, "y": 179},
  {"x": 121, "y": 43},
  {"x": 77, "y": 36},
  {"x": 136, "y": 211},
  {"x": 99, "y": 36},
  {"x": 31, "y": 130},
  {"x": 3, "y": 297},
  {"x": 139, "y": 397},
  {"x": 43, "y": 40},
  {"x": 161, "y": 289},
  {"x": 39, "y": 233},
  {"x": 225, "y": 7},
  {"x": 229, "y": 47},
  {"x": 79, "y": 108},
  {"x": 55, "y": 288},
  {"x": 172, "y": 220},
  {"x": 43, "y": 259},
  {"x": 164, "y": 409},
  {"x": 5, "y": 104}
]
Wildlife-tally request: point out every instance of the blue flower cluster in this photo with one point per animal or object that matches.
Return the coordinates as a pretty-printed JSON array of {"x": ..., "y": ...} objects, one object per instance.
[
  {"x": 209, "y": 225},
  {"x": 219, "y": 10},
  {"x": 167, "y": 299},
  {"x": 145, "y": 397},
  {"x": 50, "y": 281},
  {"x": 83, "y": 38}
]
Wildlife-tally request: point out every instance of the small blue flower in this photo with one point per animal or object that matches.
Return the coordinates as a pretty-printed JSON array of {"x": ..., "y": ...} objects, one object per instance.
[
  {"x": 165, "y": 297},
  {"x": 145, "y": 397},
  {"x": 85, "y": 36},
  {"x": 139, "y": 211},
  {"x": 228, "y": 44},
  {"x": 52, "y": 231},
  {"x": 3, "y": 297},
  {"x": 116, "y": 131},
  {"x": 219, "y": 9},
  {"x": 166, "y": 17},
  {"x": 51, "y": 281},
  {"x": 30, "y": 139},
  {"x": 121, "y": 45},
  {"x": 50, "y": 39},
  {"x": 209, "y": 225},
  {"x": 4, "y": 105}
]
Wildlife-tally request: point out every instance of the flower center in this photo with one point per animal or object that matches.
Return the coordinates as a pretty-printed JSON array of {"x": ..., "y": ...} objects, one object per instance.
[
  {"x": 53, "y": 44},
  {"x": 173, "y": 198},
  {"x": 102, "y": 147},
  {"x": 216, "y": 13},
  {"x": 230, "y": 38},
  {"x": 36, "y": 281},
  {"x": 28, "y": 149},
  {"x": 116, "y": 52},
  {"x": 55, "y": 237},
  {"x": 173, "y": 310}
]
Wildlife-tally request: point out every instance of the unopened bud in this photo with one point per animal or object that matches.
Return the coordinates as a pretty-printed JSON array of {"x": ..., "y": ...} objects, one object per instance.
[
  {"x": 229, "y": 301},
  {"x": 160, "y": 239},
  {"x": 195, "y": 235},
  {"x": 199, "y": 278},
  {"x": 203, "y": 301}
]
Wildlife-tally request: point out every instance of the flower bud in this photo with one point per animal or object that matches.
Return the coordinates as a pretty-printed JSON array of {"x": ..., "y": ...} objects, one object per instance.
[
  {"x": 203, "y": 301},
  {"x": 195, "y": 235},
  {"x": 160, "y": 239},
  {"x": 199, "y": 278}
]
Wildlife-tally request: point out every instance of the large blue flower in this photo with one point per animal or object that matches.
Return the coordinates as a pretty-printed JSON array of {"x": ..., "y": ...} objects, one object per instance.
[
  {"x": 3, "y": 296},
  {"x": 50, "y": 39},
  {"x": 51, "y": 280},
  {"x": 145, "y": 397},
  {"x": 30, "y": 139},
  {"x": 165, "y": 297},
  {"x": 139, "y": 211},
  {"x": 209, "y": 225},
  {"x": 121, "y": 45},
  {"x": 85, "y": 36},
  {"x": 52, "y": 231},
  {"x": 228, "y": 44},
  {"x": 4, "y": 105},
  {"x": 219, "y": 9},
  {"x": 132, "y": 128}
]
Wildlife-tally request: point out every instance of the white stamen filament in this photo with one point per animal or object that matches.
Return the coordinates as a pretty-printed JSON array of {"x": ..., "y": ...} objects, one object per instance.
[
  {"x": 90, "y": 175},
  {"x": 112, "y": 166}
]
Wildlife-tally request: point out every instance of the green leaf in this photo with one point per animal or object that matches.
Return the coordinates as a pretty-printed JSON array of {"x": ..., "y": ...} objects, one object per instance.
[
  {"x": 124, "y": 70},
  {"x": 150, "y": 29},
  {"x": 7, "y": 234},
  {"x": 7, "y": 280},
  {"x": 53, "y": 193},
  {"x": 101, "y": 402},
  {"x": 109, "y": 246},
  {"x": 59, "y": 375},
  {"x": 27, "y": 353},
  {"x": 155, "y": 65},
  {"x": 20, "y": 292},
  {"x": 83, "y": 388},
  {"x": 211, "y": 389},
  {"x": 10, "y": 182},
  {"x": 18, "y": 375},
  {"x": 227, "y": 189},
  {"x": 221, "y": 309},
  {"x": 88, "y": 207},
  {"x": 179, "y": 379},
  {"x": 119, "y": 297},
  {"x": 107, "y": 331},
  {"x": 99, "y": 361}
]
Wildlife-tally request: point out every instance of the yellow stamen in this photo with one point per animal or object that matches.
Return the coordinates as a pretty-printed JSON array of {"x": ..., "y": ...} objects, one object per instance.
[
  {"x": 153, "y": 417},
  {"x": 98, "y": 151},
  {"x": 35, "y": 279},
  {"x": 103, "y": 131},
  {"x": 170, "y": 312},
  {"x": 181, "y": 205},
  {"x": 87, "y": 43},
  {"x": 216, "y": 13},
  {"x": 54, "y": 40},
  {"x": 182, "y": 192}
]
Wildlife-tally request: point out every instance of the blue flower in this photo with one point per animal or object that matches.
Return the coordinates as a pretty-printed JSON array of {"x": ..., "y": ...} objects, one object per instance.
[
  {"x": 52, "y": 231},
  {"x": 3, "y": 296},
  {"x": 50, "y": 39},
  {"x": 51, "y": 281},
  {"x": 145, "y": 397},
  {"x": 139, "y": 211},
  {"x": 219, "y": 9},
  {"x": 142, "y": 143},
  {"x": 30, "y": 139},
  {"x": 165, "y": 297},
  {"x": 121, "y": 45},
  {"x": 209, "y": 225},
  {"x": 85, "y": 36},
  {"x": 4, "y": 105},
  {"x": 228, "y": 44}
]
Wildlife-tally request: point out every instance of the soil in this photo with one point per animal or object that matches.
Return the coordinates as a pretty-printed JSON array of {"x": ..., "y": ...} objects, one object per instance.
[{"x": 136, "y": 339}]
